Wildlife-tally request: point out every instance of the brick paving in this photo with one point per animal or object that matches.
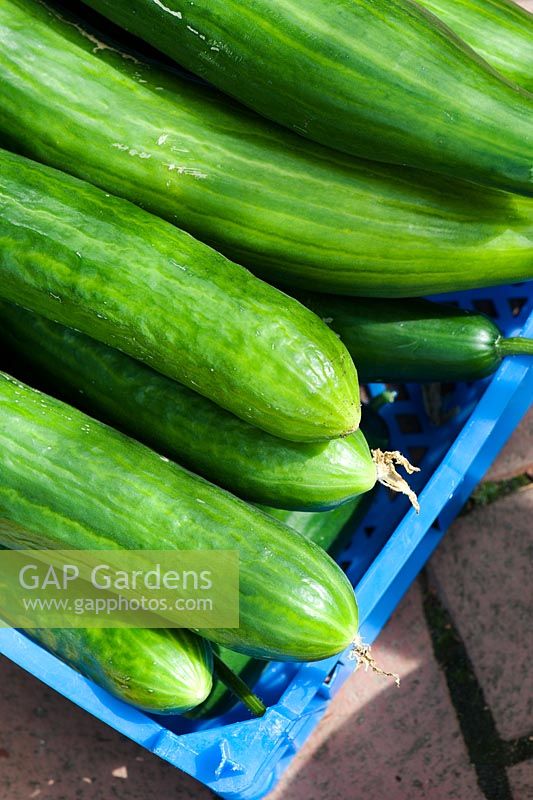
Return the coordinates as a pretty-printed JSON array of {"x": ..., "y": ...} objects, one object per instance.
[
  {"x": 521, "y": 780},
  {"x": 380, "y": 741},
  {"x": 516, "y": 458},
  {"x": 483, "y": 573}
]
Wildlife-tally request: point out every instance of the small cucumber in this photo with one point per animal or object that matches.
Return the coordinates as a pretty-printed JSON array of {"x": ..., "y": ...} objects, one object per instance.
[
  {"x": 97, "y": 263},
  {"x": 127, "y": 394},
  {"x": 69, "y": 482},
  {"x": 156, "y": 670},
  {"x": 416, "y": 340}
]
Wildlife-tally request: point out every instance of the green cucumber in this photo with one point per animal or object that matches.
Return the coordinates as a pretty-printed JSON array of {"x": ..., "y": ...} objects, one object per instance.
[
  {"x": 69, "y": 482},
  {"x": 99, "y": 264},
  {"x": 325, "y": 529},
  {"x": 130, "y": 396},
  {"x": 329, "y": 530},
  {"x": 381, "y": 79},
  {"x": 289, "y": 210},
  {"x": 321, "y": 527},
  {"x": 498, "y": 30},
  {"x": 417, "y": 340},
  {"x": 156, "y": 670}
]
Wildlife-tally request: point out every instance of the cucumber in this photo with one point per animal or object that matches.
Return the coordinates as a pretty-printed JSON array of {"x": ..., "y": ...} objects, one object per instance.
[
  {"x": 329, "y": 530},
  {"x": 381, "y": 79},
  {"x": 101, "y": 265},
  {"x": 157, "y": 670},
  {"x": 325, "y": 529},
  {"x": 321, "y": 527},
  {"x": 130, "y": 396},
  {"x": 69, "y": 482},
  {"x": 289, "y": 210},
  {"x": 498, "y": 30},
  {"x": 417, "y": 340}
]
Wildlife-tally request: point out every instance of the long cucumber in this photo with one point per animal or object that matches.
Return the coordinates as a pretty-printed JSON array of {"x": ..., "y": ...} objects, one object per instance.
[
  {"x": 180, "y": 423},
  {"x": 417, "y": 340},
  {"x": 499, "y": 30},
  {"x": 381, "y": 79},
  {"x": 69, "y": 482},
  {"x": 288, "y": 209},
  {"x": 329, "y": 530},
  {"x": 325, "y": 529},
  {"x": 97, "y": 263}
]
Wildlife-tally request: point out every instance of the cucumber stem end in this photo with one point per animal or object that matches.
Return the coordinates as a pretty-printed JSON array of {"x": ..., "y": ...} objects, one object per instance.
[
  {"x": 238, "y": 687},
  {"x": 514, "y": 346},
  {"x": 385, "y": 462},
  {"x": 362, "y": 653}
]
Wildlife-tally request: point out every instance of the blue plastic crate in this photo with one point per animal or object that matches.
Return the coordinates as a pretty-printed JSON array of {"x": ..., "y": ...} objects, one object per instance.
[{"x": 239, "y": 757}]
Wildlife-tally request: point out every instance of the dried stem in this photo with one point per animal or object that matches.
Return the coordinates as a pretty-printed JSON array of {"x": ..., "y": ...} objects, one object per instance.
[
  {"x": 385, "y": 462},
  {"x": 362, "y": 653}
]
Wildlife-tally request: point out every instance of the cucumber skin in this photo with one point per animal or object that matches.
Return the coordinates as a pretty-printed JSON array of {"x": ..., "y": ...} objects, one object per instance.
[
  {"x": 291, "y": 211},
  {"x": 158, "y": 671},
  {"x": 179, "y": 423},
  {"x": 67, "y": 480},
  {"x": 101, "y": 265},
  {"x": 328, "y": 530},
  {"x": 412, "y": 340},
  {"x": 498, "y": 30},
  {"x": 324, "y": 70},
  {"x": 324, "y": 528},
  {"x": 321, "y": 527}
]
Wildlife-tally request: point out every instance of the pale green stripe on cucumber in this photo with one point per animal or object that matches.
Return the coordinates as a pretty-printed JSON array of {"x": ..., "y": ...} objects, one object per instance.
[{"x": 499, "y": 30}]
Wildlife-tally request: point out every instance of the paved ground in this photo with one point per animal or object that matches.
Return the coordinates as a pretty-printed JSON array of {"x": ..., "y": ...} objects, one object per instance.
[{"x": 460, "y": 727}]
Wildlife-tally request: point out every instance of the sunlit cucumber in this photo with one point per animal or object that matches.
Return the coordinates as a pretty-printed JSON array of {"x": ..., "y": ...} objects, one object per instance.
[
  {"x": 417, "y": 340},
  {"x": 325, "y": 528},
  {"x": 328, "y": 529},
  {"x": 499, "y": 30},
  {"x": 97, "y": 263},
  {"x": 156, "y": 670},
  {"x": 70, "y": 482},
  {"x": 291, "y": 211},
  {"x": 180, "y": 423},
  {"x": 382, "y": 79}
]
